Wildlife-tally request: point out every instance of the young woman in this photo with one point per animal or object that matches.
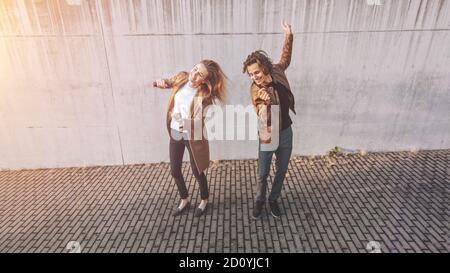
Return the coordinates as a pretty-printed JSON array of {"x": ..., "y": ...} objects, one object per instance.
[{"x": 191, "y": 93}]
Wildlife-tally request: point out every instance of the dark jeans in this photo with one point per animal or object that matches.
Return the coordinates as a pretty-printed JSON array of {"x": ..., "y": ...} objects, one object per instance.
[
  {"x": 283, "y": 154},
  {"x": 176, "y": 148}
]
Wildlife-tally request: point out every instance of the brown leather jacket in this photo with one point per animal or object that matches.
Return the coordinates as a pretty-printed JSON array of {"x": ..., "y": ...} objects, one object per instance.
[
  {"x": 199, "y": 147},
  {"x": 279, "y": 76}
]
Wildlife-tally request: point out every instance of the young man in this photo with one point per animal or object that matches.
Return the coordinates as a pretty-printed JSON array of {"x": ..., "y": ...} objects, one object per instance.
[{"x": 271, "y": 87}]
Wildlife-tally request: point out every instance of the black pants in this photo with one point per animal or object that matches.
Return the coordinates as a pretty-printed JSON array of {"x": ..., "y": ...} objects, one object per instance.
[{"x": 176, "y": 148}]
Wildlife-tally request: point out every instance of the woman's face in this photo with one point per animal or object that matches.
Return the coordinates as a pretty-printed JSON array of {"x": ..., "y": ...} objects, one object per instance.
[{"x": 198, "y": 75}]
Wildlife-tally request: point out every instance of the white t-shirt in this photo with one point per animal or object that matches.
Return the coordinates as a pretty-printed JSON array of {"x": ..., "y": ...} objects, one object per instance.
[{"x": 181, "y": 107}]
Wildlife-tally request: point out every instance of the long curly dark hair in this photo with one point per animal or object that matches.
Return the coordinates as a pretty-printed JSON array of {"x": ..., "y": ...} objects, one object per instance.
[
  {"x": 260, "y": 57},
  {"x": 215, "y": 83}
]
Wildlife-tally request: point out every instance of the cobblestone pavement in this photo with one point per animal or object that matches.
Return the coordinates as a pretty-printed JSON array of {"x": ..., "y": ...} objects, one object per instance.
[{"x": 339, "y": 204}]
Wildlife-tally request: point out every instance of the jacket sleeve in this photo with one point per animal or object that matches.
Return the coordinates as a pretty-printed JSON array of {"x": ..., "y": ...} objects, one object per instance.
[
  {"x": 262, "y": 109},
  {"x": 286, "y": 53},
  {"x": 257, "y": 102},
  {"x": 263, "y": 112},
  {"x": 173, "y": 80}
]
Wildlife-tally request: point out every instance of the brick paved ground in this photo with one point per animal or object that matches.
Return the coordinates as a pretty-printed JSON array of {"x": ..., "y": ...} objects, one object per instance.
[{"x": 400, "y": 200}]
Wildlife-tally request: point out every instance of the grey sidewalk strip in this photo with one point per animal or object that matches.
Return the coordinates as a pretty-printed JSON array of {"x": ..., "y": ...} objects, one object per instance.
[{"x": 397, "y": 199}]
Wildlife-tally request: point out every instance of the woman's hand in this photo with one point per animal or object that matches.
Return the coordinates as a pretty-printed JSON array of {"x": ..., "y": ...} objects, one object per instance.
[
  {"x": 160, "y": 84},
  {"x": 286, "y": 28}
]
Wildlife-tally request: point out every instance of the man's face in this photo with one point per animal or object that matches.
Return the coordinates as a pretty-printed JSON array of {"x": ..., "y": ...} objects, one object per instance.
[
  {"x": 198, "y": 75},
  {"x": 256, "y": 74}
]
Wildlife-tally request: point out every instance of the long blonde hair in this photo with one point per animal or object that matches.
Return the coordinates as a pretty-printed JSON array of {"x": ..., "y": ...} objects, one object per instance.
[{"x": 215, "y": 85}]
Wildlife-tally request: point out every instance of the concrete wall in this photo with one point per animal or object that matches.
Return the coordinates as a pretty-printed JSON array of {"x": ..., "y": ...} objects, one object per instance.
[{"x": 73, "y": 74}]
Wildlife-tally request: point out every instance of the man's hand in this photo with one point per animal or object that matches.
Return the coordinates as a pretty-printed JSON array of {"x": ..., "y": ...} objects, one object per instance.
[
  {"x": 262, "y": 94},
  {"x": 286, "y": 28}
]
